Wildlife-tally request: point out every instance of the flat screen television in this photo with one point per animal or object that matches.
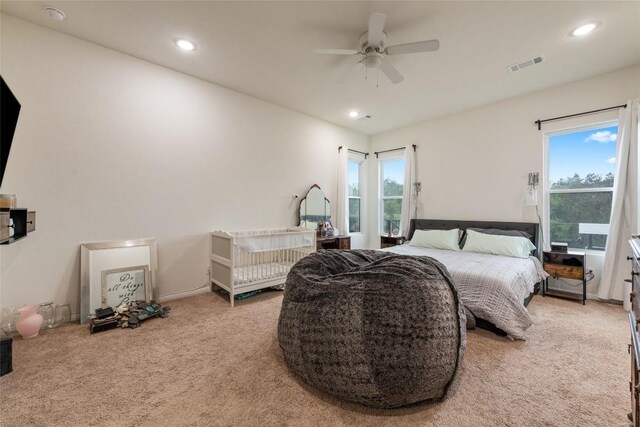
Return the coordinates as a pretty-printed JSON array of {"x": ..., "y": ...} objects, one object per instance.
[{"x": 9, "y": 111}]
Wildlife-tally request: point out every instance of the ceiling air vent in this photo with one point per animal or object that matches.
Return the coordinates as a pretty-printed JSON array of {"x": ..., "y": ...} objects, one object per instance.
[{"x": 525, "y": 64}]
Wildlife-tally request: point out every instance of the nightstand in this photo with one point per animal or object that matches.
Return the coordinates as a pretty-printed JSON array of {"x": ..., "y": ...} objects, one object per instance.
[
  {"x": 568, "y": 265},
  {"x": 333, "y": 242},
  {"x": 387, "y": 242}
]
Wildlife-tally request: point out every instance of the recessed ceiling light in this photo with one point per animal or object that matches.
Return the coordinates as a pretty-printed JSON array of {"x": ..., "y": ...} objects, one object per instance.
[
  {"x": 585, "y": 29},
  {"x": 55, "y": 14},
  {"x": 185, "y": 44},
  {"x": 353, "y": 114}
]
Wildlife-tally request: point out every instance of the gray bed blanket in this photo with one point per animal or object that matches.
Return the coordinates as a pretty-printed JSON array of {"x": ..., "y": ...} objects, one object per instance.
[{"x": 492, "y": 287}]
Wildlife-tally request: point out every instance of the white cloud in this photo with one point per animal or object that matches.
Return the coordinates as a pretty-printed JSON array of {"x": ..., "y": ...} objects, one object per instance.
[
  {"x": 611, "y": 160},
  {"x": 604, "y": 137}
]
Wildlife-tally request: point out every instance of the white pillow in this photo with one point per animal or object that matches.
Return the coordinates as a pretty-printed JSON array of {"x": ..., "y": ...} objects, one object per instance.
[
  {"x": 437, "y": 239},
  {"x": 519, "y": 247}
]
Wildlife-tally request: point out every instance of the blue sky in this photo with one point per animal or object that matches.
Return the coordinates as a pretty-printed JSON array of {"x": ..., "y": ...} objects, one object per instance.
[
  {"x": 585, "y": 152},
  {"x": 394, "y": 169},
  {"x": 353, "y": 172}
]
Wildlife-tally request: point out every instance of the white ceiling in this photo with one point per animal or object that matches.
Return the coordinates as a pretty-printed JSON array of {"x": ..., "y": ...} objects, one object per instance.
[{"x": 264, "y": 49}]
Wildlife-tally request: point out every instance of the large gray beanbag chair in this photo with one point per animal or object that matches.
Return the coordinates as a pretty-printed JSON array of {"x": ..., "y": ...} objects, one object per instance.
[{"x": 374, "y": 328}]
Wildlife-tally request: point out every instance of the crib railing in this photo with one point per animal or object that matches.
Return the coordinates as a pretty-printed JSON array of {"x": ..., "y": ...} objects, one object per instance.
[{"x": 244, "y": 261}]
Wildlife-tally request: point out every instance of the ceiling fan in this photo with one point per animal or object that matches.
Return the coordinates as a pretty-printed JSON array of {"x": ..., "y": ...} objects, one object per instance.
[{"x": 373, "y": 50}]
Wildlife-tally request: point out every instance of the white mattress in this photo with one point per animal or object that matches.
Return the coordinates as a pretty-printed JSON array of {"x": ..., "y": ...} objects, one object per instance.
[{"x": 492, "y": 287}]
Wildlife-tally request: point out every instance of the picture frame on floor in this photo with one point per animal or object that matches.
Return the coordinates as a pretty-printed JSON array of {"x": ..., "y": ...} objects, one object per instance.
[
  {"x": 123, "y": 265},
  {"x": 123, "y": 285}
]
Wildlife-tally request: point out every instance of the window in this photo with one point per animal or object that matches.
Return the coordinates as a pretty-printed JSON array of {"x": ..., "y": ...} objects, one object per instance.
[
  {"x": 391, "y": 183},
  {"x": 355, "y": 200},
  {"x": 580, "y": 185}
]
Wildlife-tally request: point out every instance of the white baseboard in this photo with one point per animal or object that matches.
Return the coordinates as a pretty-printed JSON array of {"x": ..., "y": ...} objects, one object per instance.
[
  {"x": 206, "y": 288},
  {"x": 578, "y": 294}
]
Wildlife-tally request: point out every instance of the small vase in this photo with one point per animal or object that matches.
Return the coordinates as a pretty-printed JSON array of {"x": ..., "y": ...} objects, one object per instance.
[
  {"x": 30, "y": 321},
  {"x": 47, "y": 311}
]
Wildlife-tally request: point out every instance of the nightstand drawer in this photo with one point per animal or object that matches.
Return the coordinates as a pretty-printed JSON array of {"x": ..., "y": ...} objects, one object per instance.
[
  {"x": 566, "y": 271},
  {"x": 389, "y": 241},
  {"x": 345, "y": 243}
]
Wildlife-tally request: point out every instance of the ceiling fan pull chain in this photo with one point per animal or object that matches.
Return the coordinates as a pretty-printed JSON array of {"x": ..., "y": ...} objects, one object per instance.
[{"x": 377, "y": 76}]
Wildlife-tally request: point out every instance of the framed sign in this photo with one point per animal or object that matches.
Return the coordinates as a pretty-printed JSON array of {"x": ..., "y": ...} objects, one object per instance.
[
  {"x": 111, "y": 272},
  {"x": 123, "y": 285}
]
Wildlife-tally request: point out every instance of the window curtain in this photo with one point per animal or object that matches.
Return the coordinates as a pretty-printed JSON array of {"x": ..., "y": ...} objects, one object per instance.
[
  {"x": 408, "y": 189},
  {"x": 624, "y": 209},
  {"x": 342, "y": 207}
]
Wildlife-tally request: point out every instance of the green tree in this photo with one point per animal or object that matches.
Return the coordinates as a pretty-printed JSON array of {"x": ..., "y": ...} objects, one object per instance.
[
  {"x": 568, "y": 210},
  {"x": 391, "y": 187},
  {"x": 392, "y": 208}
]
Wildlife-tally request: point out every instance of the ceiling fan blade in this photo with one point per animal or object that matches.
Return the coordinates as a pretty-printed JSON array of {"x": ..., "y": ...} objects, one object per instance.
[
  {"x": 346, "y": 74},
  {"x": 415, "y": 47},
  {"x": 335, "y": 51},
  {"x": 391, "y": 72},
  {"x": 376, "y": 28}
]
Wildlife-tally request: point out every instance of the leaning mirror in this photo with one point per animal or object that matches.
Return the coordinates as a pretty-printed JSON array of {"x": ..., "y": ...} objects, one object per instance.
[
  {"x": 314, "y": 207},
  {"x": 114, "y": 273}
]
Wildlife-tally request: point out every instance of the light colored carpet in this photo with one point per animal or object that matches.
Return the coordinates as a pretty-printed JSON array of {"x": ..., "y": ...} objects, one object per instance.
[{"x": 208, "y": 364}]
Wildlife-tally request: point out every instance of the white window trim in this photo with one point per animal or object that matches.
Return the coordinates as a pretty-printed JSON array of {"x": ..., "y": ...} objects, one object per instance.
[
  {"x": 381, "y": 197},
  {"x": 360, "y": 159},
  {"x": 581, "y": 190},
  {"x": 546, "y": 207}
]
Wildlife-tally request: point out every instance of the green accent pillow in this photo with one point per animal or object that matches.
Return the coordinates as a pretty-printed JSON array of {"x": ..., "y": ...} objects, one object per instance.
[
  {"x": 519, "y": 247},
  {"x": 437, "y": 239}
]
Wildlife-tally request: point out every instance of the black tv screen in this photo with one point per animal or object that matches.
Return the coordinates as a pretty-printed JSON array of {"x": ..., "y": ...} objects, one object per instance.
[{"x": 9, "y": 111}]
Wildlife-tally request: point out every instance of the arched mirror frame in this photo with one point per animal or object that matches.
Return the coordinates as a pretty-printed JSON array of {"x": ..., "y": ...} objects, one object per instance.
[{"x": 302, "y": 215}]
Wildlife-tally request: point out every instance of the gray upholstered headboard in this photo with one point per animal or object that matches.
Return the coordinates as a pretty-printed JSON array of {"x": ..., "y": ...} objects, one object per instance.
[{"x": 448, "y": 224}]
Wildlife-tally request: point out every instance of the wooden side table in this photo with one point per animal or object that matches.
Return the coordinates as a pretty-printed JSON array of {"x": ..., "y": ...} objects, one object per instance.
[
  {"x": 568, "y": 265},
  {"x": 387, "y": 242},
  {"x": 333, "y": 242}
]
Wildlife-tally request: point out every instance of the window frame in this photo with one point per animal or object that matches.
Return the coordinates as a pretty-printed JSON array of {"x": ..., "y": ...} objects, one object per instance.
[
  {"x": 360, "y": 161},
  {"x": 381, "y": 196},
  {"x": 547, "y": 191}
]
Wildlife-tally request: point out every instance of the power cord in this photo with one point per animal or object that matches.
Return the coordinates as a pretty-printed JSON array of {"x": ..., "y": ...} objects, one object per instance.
[
  {"x": 588, "y": 277},
  {"x": 203, "y": 286},
  {"x": 541, "y": 228}
]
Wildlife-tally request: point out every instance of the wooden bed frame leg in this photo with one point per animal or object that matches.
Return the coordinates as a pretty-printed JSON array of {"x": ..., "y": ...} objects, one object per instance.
[{"x": 231, "y": 298}]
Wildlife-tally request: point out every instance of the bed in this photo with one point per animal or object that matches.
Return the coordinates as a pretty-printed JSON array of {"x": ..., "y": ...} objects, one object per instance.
[
  {"x": 495, "y": 289},
  {"x": 245, "y": 261}
]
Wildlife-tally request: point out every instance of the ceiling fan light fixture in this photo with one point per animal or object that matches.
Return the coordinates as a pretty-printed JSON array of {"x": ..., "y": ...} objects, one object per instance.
[{"x": 372, "y": 60}]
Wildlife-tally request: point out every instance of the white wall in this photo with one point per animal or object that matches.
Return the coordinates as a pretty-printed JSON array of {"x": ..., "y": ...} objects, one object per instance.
[
  {"x": 474, "y": 165},
  {"x": 110, "y": 147}
]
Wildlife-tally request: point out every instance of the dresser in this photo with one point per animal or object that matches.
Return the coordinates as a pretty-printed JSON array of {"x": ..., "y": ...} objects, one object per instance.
[
  {"x": 334, "y": 242},
  {"x": 634, "y": 314}
]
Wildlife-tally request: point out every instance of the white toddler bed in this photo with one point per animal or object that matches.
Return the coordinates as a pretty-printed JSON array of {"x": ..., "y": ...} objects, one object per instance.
[{"x": 244, "y": 261}]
